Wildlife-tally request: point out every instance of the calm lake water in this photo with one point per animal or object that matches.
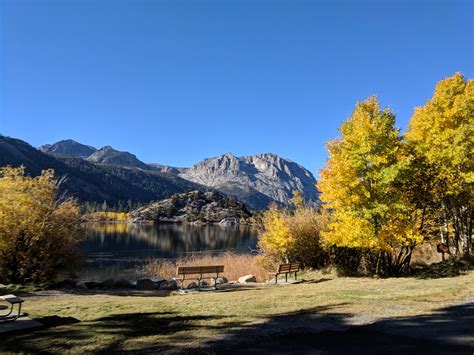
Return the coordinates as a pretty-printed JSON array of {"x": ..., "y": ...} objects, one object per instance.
[{"x": 117, "y": 249}]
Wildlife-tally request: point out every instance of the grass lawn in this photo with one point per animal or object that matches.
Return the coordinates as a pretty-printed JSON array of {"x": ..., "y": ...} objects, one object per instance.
[{"x": 215, "y": 321}]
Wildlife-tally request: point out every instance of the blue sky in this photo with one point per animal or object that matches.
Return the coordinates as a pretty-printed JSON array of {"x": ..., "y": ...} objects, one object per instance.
[{"x": 178, "y": 81}]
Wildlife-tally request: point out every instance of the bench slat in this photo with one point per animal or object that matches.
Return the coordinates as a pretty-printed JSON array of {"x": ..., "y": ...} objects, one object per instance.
[
  {"x": 12, "y": 299},
  {"x": 194, "y": 270},
  {"x": 291, "y": 267}
]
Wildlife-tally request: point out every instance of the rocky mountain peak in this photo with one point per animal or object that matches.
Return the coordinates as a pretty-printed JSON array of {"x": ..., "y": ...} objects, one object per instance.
[
  {"x": 68, "y": 147},
  {"x": 108, "y": 155},
  {"x": 252, "y": 178}
]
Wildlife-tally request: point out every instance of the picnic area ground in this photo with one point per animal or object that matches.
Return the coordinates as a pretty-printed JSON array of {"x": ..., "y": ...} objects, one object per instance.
[{"x": 318, "y": 315}]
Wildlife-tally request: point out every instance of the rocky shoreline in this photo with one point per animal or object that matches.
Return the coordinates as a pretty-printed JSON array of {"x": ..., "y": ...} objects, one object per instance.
[{"x": 143, "y": 284}]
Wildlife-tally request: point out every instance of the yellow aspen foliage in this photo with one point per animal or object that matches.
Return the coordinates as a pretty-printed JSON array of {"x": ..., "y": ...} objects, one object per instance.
[
  {"x": 357, "y": 186},
  {"x": 442, "y": 132},
  {"x": 38, "y": 233},
  {"x": 289, "y": 236},
  {"x": 107, "y": 217},
  {"x": 275, "y": 236}
]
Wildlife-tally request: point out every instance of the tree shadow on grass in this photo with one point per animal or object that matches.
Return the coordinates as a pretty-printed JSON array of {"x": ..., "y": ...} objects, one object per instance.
[
  {"x": 114, "y": 330},
  {"x": 446, "y": 331},
  {"x": 449, "y": 268},
  {"x": 147, "y": 293},
  {"x": 314, "y": 330},
  {"x": 316, "y": 281}
]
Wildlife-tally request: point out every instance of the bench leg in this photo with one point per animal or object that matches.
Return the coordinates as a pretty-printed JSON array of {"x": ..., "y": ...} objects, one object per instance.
[
  {"x": 19, "y": 312},
  {"x": 286, "y": 277},
  {"x": 295, "y": 276},
  {"x": 276, "y": 279},
  {"x": 10, "y": 312},
  {"x": 7, "y": 318}
]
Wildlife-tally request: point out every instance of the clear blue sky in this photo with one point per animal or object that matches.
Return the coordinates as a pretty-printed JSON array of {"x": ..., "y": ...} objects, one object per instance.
[{"x": 177, "y": 81}]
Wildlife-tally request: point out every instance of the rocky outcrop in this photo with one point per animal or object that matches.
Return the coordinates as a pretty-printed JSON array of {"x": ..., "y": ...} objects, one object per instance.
[
  {"x": 195, "y": 207},
  {"x": 68, "y": 148},
  {"x": 256, "y": 180}
]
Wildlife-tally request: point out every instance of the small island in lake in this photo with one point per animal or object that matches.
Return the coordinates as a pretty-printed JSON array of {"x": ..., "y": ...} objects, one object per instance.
[{"x": 196, "y": 207}]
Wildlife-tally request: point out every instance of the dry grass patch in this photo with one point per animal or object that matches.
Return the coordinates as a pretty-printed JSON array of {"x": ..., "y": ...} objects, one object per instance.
[{"x": 235, "y": 265}]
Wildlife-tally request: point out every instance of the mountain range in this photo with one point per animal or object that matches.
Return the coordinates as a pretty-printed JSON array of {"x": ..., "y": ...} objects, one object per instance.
[{"x": 112, "y": 175}]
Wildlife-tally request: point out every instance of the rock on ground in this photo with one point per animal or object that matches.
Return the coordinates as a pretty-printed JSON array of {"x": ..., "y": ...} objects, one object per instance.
[
  {"x": 221, "y": 280},
  {"x": 109, "y": 283},
  {"x": 146, "y": 284},
  {"x": 122, "y": 283},
  {"x": 247, "y": 278},
  {"x": 169, "y": 285},
  {"x": 192, "y": 285},
  {"x": 93, "y": 285}
]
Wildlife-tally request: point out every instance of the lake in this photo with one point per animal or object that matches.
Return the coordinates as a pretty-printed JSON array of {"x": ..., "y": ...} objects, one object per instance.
[{"x": 116, "y": 249}]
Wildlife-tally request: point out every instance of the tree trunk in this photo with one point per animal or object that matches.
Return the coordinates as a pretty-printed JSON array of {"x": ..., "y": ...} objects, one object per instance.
[{"x": 377, "y": 268}]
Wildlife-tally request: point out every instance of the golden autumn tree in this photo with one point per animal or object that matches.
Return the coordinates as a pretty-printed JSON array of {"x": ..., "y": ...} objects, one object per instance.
[
  {"x": 357, "y": 186},
  {"x": 290, "y": 235},
  {"x": 39, "y": 234},
  {"x": 442, "y": 133}
]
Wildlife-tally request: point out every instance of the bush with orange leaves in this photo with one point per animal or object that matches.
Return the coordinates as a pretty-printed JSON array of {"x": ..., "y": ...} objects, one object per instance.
[{"x": 39, "y": 233}]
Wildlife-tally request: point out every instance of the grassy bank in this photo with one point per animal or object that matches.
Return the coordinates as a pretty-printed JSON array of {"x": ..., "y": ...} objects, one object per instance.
[{"x": 147, "y": 322}]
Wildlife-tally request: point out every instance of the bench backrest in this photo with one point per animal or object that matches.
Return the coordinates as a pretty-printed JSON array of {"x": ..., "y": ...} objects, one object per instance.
[
  {"x": 198, "y": 270},
  {"x": 291, "y": 267}
]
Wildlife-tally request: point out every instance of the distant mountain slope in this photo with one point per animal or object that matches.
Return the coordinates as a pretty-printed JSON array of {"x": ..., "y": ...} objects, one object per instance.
[
  {"x": 91, "y": 182},
  {"x": 256, "y": 180},
  {"x": 166, "y": 169},
  {"x": 68, "y": 147},
  {"x": 108, "y": 155}
]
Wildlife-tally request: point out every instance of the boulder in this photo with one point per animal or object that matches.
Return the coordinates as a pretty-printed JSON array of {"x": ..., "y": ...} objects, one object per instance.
[
  {"x": 66, "y": 284},
  {"x": 146, "y": 284},
  {"x": 122, "y": 283},
  {"x": 81, "y": 286},
  {"x": 92, "y": 285},
  {"x": 247, "y": 278},
  {"x": 158, "y": 283},
  {"x": 192, "y": 285},
  {"x": 169, "y": 285},
  {"x": 221, "y": 280},
  {"x": 228, "y": 222},
  {"x": 109, "y": 283}
]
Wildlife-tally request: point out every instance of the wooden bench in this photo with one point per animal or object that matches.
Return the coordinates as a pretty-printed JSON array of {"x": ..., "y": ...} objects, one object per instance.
[
  {"x": 286, "y": 269},
  {"x": 199, "y": 273},
  {"x": 13, "y": 300}
]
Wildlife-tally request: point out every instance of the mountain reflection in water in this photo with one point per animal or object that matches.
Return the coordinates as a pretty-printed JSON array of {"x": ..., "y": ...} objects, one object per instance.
[{"x": 115, "y": 249}]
